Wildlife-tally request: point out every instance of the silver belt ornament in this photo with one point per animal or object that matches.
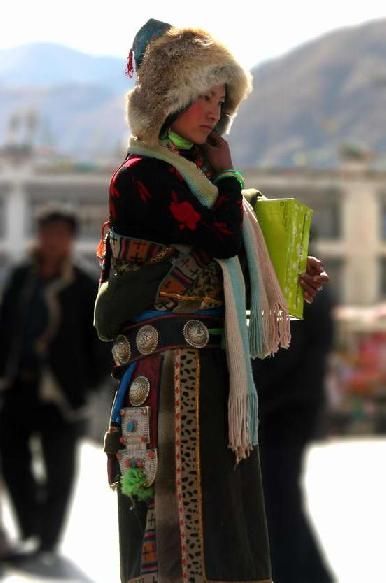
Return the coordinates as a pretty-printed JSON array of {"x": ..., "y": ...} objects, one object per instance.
[
  {"x": 147, "y": 339},
  {"x": 139, "y": 391},
  {"x": 196, "y": 333},
  {"x": 121, "y": 350}
]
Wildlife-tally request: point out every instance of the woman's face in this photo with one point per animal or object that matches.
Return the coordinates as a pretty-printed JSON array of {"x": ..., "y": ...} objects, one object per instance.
[{"x": 197, "y": 121}]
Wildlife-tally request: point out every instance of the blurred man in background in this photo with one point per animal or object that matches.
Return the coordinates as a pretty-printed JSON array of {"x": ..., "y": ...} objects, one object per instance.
[
  {"x": 291, "y": 403},
  {"x": 50, "y": 360}
]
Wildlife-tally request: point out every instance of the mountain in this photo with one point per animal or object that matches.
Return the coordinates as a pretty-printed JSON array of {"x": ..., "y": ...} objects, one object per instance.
[
  {"x": 75, "y": 100},
  {"x": 48, "y": 64},
  {"x": 306, "y": 104},
  {"x": 80, "y": 121}
]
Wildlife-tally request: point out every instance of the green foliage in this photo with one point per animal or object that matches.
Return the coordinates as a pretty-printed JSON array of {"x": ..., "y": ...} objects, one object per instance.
[{"x": 134, "y": 484}]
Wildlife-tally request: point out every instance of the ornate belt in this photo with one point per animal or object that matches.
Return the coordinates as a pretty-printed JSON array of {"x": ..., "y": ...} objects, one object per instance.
[{"x": 166, "y": 332}]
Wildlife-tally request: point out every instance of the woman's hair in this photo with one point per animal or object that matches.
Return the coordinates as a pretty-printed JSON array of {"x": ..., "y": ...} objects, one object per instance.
[
  {"x": 169, "y": 121},
  {"x": 174, "y": 67}
]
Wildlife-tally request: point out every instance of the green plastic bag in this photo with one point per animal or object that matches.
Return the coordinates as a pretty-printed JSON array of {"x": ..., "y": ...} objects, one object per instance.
[{"x": 286, "y": 223}]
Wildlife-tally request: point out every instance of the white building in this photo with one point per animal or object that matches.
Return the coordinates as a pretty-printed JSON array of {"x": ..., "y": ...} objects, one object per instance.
[
  {"x": 349, "y": 212},
  {"x": 27, "y": 184},
  {"x": 350, "y": 223}
]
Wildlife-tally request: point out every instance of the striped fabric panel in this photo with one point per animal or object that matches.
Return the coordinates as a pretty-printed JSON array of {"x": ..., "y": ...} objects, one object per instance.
[
  {"x": 166, "y": 514},
  {"x": 138, "y": 251},
  {"x": 149, "y": 562}
]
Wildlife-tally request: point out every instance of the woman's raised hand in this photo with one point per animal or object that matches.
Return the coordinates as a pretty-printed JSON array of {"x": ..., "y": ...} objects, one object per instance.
[{"x": 218, "y": 153}]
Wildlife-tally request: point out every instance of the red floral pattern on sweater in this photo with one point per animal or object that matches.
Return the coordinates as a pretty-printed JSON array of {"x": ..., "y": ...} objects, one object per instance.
[
  {"x": 184, "y": 213},
  {"x": 150, "y": 200}
]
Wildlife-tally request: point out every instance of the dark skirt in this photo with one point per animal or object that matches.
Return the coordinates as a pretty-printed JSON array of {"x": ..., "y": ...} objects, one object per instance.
[{"x": 207, "y": 519}]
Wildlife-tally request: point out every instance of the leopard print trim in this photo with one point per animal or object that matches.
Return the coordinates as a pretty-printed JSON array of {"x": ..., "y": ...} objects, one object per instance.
[
  {"x": 181, "y": 514},
  {"x": 188, "y": 465}
]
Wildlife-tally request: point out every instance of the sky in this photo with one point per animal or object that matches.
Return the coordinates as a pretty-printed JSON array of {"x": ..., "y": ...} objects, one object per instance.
[{"x": 254, "y": 31}]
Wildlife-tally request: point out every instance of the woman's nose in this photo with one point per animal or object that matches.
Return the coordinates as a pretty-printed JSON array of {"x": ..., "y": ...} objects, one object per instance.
[{"x": 214, "y": 112}]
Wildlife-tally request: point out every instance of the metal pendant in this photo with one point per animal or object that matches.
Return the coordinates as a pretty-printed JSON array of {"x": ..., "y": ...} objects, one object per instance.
[
  {"x": 121, "y": 350},
  {"x": 135, "y": 423},
  {"x": 196, "y": 333},
  {"x": 151, "y": 466},
  {"x": 139, "y": 391},
  {"x": 146, "y": 459},
  {"x": 147, "y": 339}
]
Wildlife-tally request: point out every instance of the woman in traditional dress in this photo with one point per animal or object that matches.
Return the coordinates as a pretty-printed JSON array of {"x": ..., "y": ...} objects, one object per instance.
[{"x": 182, "y": 441}]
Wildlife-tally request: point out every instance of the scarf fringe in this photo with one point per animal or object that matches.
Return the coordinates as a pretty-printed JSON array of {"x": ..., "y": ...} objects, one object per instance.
[
  {"x": 243, "y": 424},
  {"x": 241, "y": 382}
]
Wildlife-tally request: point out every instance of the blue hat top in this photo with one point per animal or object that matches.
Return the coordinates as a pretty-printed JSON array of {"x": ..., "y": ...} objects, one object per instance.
[{"x": 151, "y": 30}]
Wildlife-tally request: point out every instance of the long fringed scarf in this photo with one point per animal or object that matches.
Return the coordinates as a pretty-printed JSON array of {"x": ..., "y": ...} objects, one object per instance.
[{"x": 269, "y": 320}]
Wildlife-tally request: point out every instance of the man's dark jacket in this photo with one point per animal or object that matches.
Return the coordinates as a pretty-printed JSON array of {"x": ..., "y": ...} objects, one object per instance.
[
  {"x": 77, "y": 359},
  {"x": 291, "y": 384}
]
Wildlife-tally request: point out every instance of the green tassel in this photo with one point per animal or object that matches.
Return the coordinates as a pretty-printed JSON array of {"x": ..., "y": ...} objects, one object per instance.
[{"x": 133, "y": 484}]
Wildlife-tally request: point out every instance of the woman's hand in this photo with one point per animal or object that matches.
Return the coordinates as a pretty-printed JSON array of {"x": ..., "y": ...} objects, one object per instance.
[
  {"x": 313, "y": 279},
  {"x": 218, "y": 153}
]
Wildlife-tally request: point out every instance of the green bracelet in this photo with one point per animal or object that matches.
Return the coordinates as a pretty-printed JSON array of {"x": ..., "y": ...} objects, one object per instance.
[{"x": 231, "y": 173}]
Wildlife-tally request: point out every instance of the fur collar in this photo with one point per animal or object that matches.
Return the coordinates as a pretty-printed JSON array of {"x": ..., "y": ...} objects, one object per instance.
[{"x": 201, "y": 186}]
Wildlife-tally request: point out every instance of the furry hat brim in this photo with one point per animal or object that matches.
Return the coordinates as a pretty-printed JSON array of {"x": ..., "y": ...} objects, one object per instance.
[{"x": 177, "y": 67}]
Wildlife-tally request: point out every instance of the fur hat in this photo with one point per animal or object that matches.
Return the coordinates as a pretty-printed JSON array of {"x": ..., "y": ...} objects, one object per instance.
[{"x": 174, "y": 67}]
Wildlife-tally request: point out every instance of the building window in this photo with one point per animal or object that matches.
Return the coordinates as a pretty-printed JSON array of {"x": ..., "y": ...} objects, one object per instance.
[
  {"x": 326, "y": 204},
  {"x": 327, "y": 219},
  {"x": 88, "y": 201},
  {"x": 91, "y": 216}
]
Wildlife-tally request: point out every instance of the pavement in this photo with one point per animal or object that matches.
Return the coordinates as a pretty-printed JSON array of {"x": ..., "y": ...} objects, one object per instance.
[
  {"x": 345, "y": 484},
  {"x": 89, "y": 551}
]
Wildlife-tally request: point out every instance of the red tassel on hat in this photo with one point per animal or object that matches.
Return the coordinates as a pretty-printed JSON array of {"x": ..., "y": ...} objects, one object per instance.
[{"x": 130, "y": 65}]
